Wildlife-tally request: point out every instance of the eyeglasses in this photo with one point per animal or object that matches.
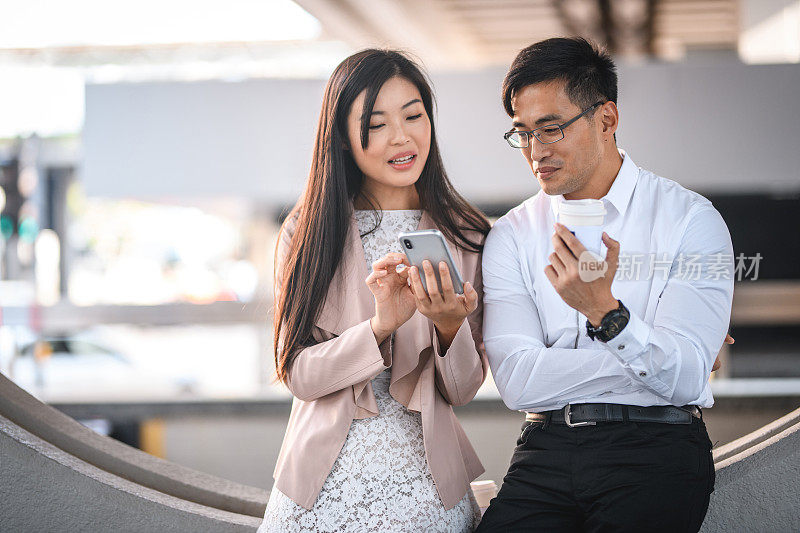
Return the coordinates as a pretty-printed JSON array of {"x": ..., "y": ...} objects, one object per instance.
[{"x": 545, "y": 134}]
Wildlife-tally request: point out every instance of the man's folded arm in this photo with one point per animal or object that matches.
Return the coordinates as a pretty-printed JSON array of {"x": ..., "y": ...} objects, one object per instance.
[
  {"x": 528, "y": 374},
  {"x": 673, "y": 357}
]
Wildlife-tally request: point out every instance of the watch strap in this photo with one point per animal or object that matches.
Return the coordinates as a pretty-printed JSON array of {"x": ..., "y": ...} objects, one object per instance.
[{"x": 611, "y": 325}]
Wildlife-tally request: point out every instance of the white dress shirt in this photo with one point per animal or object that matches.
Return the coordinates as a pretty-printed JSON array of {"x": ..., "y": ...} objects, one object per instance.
[{"x": 679, "y": 301}]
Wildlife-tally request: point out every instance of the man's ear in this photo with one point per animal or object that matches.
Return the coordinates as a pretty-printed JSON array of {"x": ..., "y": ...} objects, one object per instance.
[{"x": 609, "y": 117}]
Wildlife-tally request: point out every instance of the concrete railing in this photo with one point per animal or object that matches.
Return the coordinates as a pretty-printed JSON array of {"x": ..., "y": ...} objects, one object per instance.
[
  {"x": 45, "y": 488},
  {"x": 758, "y": 480},
  {"x": 56, "y": 474}
]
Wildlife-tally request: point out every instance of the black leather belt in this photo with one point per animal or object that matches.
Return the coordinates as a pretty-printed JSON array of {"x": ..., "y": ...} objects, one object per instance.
[{"x": 588, "y": 414}]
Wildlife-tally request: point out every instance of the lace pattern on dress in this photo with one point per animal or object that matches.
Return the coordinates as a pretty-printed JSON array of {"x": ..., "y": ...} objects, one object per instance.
[{"x": 380, "y": 481}]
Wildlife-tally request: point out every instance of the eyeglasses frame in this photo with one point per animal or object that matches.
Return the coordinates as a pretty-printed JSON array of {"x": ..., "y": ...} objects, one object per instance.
[{"x": 560, "y": 127}]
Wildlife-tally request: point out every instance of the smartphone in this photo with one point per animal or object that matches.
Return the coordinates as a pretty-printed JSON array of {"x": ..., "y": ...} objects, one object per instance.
[{"x": 430, "y": 244}]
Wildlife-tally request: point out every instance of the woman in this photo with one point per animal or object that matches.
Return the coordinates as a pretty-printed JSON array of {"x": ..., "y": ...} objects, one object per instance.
[{"x": 373, "y": 361}]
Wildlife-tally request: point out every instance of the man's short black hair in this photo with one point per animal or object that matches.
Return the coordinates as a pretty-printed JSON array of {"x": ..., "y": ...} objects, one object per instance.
[{"x": 588, "y": 71}]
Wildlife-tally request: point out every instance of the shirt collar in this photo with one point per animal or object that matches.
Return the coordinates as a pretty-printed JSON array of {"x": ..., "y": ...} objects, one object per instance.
[{"x": 619, "y": 195}]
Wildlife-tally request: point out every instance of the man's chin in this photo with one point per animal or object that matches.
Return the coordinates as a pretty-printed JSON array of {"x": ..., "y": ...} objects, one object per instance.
[{"x": 550, "y": 188}]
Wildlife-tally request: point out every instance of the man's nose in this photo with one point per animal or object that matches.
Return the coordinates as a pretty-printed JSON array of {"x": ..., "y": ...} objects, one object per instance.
[{"x": 538, "y": 150}]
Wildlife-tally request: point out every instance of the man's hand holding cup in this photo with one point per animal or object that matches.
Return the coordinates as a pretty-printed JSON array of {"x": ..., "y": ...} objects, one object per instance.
[{"x": 571, "y": 264}]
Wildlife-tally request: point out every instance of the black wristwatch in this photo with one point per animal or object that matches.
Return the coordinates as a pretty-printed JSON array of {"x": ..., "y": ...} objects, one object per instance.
[{"x": 614, "y": 322}]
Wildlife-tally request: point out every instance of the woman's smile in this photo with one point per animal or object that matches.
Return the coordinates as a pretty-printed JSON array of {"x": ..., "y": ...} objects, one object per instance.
[{"x": 403, "y": 161}]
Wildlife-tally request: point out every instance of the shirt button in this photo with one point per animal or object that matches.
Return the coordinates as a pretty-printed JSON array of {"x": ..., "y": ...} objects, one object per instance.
[
  {"x": 621, "y": 347},
  {"x": 643, "y": 373}
]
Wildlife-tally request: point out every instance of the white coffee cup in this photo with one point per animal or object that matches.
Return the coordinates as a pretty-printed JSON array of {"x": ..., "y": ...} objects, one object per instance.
[{"x": 584, "y": 218}]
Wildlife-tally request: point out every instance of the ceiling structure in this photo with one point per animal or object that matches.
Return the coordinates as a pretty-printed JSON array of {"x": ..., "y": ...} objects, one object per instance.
[
  {"x": 446, "y": 34},
  {"x": 476, "y": 33}
]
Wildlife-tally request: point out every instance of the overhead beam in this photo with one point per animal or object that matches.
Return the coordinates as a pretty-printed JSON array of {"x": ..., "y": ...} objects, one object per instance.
[
  {"x": 582, "y": 18},
  {"x": 623, "y": 28},
  {"x": 340, "y": 21},
  {"x": 452, "y": 35},
  {"x": 418, "y": 26}
]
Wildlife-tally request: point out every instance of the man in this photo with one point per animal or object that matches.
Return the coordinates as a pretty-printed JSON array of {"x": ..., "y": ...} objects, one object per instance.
[{"x": 612, "y": 372}]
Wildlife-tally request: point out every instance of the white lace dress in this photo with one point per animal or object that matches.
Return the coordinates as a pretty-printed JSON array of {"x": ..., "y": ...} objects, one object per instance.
[{"x": 381, "y": 481}]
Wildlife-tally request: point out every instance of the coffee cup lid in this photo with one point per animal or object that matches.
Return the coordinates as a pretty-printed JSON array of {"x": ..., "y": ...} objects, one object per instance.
[{"x": 587, "y": 207}]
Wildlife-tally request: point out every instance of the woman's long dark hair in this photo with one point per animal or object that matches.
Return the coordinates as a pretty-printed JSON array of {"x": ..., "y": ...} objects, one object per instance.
[{"x": 324, "y": 210}]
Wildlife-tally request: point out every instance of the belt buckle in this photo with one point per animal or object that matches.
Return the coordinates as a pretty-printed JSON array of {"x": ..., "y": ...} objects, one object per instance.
[
  {"x": 568, "y": 418},
  {"x": 692, "y": 410}
]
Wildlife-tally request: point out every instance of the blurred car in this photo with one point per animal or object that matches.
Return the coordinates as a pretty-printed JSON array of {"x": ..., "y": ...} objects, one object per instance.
[{"x": 69, "y": 368}]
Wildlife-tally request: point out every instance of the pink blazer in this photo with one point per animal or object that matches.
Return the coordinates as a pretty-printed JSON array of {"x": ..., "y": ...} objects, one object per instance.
[{"x": 330, "y": 381}]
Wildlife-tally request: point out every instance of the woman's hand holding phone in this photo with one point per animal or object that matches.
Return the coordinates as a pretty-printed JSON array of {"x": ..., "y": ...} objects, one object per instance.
[
  {"x": 394, "y": 301},
  {"x": 444, "y": 307}
]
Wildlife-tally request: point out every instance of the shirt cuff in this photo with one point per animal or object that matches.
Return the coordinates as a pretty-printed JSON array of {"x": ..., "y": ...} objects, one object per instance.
[
  {"x": 630, "y": 343},
  {"x": 629, "y": 347}
]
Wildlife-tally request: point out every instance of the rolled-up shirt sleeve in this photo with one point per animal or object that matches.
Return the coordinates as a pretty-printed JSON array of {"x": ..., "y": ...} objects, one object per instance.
[{"x": 673, "y": 356}]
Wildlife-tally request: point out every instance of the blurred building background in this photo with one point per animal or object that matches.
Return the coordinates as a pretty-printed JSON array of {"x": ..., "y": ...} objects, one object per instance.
[{"x": 149, "y": 149}]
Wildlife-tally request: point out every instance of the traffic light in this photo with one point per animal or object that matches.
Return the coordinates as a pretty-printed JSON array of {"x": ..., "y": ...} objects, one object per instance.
[
  {"x": 18, "y": 214},
  {"x": 9, "y": 182}
]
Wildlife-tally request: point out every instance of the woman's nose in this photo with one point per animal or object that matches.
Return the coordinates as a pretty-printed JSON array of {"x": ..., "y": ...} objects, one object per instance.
[{"x": 399, "y": 135}]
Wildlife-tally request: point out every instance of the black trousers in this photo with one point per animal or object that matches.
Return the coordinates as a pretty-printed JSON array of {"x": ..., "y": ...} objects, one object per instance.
[{"x": 615, "y": 476}]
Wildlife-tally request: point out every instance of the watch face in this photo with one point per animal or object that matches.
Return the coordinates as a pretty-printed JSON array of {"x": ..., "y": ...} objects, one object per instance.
[
  {"x": 611, "y": 325},
  {"x": 614, "y": 322},
  {"x": 613, "y": 328}
]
